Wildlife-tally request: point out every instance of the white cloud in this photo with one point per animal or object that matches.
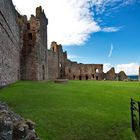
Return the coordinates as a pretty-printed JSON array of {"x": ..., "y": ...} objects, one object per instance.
[
  {"x": 101, "y": 6},
  {"x": 107, "y": 67},
  {"x": 129, "y": 69},
  {"x": 73, "y": 56},
  {"x": 111, "y": 50},
  {"x": 111, "y": 29},
  {"x": 70, "y": 21}
]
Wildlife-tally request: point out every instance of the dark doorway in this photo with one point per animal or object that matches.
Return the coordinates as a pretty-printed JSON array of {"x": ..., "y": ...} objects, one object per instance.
[
  {"x": 86, "y": 77},
  {"x": 80, "y": 77},
  {"x": 74, "y": 77},
  {"x": 97, "y": 77}
]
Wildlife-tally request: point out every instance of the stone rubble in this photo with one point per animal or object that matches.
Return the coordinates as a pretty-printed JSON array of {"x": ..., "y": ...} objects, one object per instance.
[{"x": 14, "y": 127}]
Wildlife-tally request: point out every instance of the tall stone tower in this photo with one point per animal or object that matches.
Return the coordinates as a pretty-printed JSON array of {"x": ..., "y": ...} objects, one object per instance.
[{"x": 34, "y": 51}]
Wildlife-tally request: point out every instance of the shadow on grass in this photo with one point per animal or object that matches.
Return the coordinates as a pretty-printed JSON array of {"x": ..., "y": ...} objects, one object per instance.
[{"x": 137, "y": 133}]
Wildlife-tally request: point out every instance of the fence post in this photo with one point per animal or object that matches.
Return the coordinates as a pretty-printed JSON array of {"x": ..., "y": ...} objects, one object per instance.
[
  {"x": 132, "y": 115},
  {"x": 139, "y": 112}
]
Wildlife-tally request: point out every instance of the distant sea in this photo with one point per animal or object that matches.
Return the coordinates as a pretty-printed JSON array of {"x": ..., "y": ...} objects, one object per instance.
[{"x": 133, "y": 77}]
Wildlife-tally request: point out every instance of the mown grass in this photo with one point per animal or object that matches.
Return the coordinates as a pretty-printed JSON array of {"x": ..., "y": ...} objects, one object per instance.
[{"x": 79, "y": 110}]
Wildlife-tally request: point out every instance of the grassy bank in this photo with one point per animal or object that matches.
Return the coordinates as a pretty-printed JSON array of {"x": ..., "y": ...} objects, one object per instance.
[{"x": 79, "y": 110}]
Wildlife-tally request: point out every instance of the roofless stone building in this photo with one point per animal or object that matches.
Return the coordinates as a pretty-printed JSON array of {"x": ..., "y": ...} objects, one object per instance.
[{"x": 24, "y": 54}]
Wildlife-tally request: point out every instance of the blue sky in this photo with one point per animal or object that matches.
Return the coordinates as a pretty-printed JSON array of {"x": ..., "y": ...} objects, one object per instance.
[
  {"x": 94, "y": 31},
  {"x": 125, "y": 41}
]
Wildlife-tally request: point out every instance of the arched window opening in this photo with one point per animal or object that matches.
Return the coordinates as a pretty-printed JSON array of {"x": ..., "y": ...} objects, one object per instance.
[{"x": 97, "y": 70}]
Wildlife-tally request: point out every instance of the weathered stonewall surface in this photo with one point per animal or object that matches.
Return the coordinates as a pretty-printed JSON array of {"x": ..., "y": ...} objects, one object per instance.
[
  {"x": 122, "y": 76},
  {"x": 111, "y": 75},
  {"x": 9, "y": 43},
  {"x": 14, "y": 127}
]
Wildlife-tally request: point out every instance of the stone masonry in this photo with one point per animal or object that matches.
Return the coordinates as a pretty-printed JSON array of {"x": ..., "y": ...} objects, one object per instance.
[
  {"x": 121, "y": 76},
  {"x": 111, "y": 75},
  {"x": 9, "y": 44}
]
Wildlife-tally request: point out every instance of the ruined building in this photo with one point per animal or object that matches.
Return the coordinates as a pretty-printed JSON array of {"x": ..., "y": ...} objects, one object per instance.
[
  {"x": 64, "y": 68},
  {"x": 24, "y": 54},
  {"x": 111, "y": 75}
]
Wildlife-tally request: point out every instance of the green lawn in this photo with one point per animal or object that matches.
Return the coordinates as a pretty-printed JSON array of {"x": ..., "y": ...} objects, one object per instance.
[{"x": 79, "y": 110}]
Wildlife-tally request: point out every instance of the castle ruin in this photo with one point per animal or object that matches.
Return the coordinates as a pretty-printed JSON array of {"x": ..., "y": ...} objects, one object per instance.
[
  {"x": 24, "y": 54},
  {"x": 64, "y": 68}
]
